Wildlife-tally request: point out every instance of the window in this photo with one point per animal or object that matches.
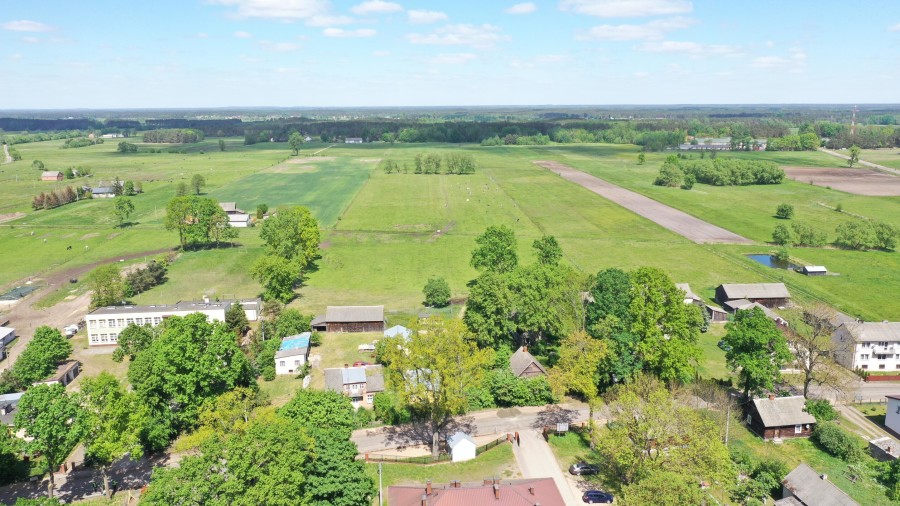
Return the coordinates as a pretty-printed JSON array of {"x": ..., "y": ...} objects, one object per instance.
[
  {"x": 156, "y": 320},
  {"x": 281, "y": 363},
  {"x": 296, "y": 362},
  {"x": 798, "y": 429},
  {"x": 121, "y": 322},
  {"x": 864, "y": 356},
  {"x": 104, "y": 338},
  {"x": 898, "y": 410},
  {"x": 95, "y": 338},
  {"x": 371, "y": 397},
  {"x": 881, "y": 366},
  {"x": 866, "y": 345},
  {"x": 129, "y": 321},
  {"x": 112, "y": 323},
  {"x": 865, "y": 366},
  {"x": 139, "y": 321}
]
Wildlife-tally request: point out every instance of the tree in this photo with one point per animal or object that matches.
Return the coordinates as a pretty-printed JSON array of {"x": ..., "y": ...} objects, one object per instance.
[
  {"x": 11, "y": 466},
  {"x": 127, "y": 147},
  {"x": 670, "y": 174},
  {"x": 221, "y": 144},
  {"x": 437, "y": 292},
  {"x": 115, "y": 418},
  {"x": 495, "y": 250},
  {"x": 46, "y": 349},
  {"x": 181, "y": 189},
  {"x": 489, "y": 309},
  {"x": 316, "y": 408},
  {"x": 277, "y": 276},
  {"x": 608, "y": 318},
  {"x": 580, "y": 356},
  {"x": 198, "y": 220},
  {"x": 291, "y": 322},
  {"x": 261, "y": 210},
  {"x": 69, "y": 173},
  {"x": 784, "y": 211},
  {"x": 856, "y": 234},
  {"x": 122, "y": 209},
  {"x": 105, "y": 283},
  {"x": 236, "y": 319},
  {"x": 886, "y": 235},
  {"x": 55, "y": 423},
  {"x": 756, "y": 350},
  {"x": 129, "y": 190},
  {"x": 295, "y": 141},
  {"x": 433, "y": 370},
  {"x": 37, "y": 164},
  {"x": 782, "y": 235},
  {"x": 641, "y": 158},
  {"x": 132, "y": 340},
  {"x": 810, "y": 339},
  {"x": 854, "y": 155},
  {"x": 663, "y": 487},
  {"x": 292, "y": 234},
  {"x": 192, "y": 360},
  {"x": 197, "y": 183},
  {"x": 821, "y": 410},
  {"x": 548, "y": 250}
]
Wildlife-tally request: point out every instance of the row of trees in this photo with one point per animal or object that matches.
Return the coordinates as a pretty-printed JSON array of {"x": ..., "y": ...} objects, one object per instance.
[
  {"x": 80, "y": 142},
  {"x": 433, "y": 163},
  {"x": 718, "y": 172},
  {"x": 801, "y": 142},
  {"x": 173, "y": 136},
  {"x": 854, "y": 234},
  {"x": 292, "y": 245},
  {"x": 56, "y": 198}
]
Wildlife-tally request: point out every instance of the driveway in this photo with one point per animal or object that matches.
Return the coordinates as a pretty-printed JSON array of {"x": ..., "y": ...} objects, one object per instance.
[{"x": 536, "y": 460}]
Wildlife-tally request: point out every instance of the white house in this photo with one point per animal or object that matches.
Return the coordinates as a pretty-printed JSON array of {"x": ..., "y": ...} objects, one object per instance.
[
  {"x": 105, "y": 323},
  {"x": 892, "y": 418},
  {"x": 353, "y": 140},
  {"x": 292, "y": 354},
  {"x": 462, "y": 447},
  {"x": 237, "y": 218},
  {"x": 7, "y": 334},
  {"x": 868, "y": 345}
]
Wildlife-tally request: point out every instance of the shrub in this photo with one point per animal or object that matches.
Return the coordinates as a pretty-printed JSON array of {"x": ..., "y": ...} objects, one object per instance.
[
  {"x": 821, "y": 410},
  {"x": 670, "y": 174},
  {"x": 437, "y": 292},
  {"x": 838, "y": 442},
  {"x": 859, "y": 235},
  {"x": 689, "y": 181},
  {"x": 805, "y": 235},
  {"x": 784, "y": 211},
  {"x": 782, "y": 235}
]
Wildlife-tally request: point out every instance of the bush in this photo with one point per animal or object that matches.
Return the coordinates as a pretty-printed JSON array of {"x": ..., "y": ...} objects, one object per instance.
[
  {"x": 689, "y": 181},
  {"x": 859, "y": 235},
  {"x": 784, "y": 211},
  {"x": 437, "y": 292},
  {"x": 837, "y": 442},
  {"x": 389, "y": 409},
  {"x": 782, "y": 235},
  {"x": 362, "y": 418},
  {"x": 821, "y": 410},
  {"x": 507, "y": 390},
  {"x": 670, "y": 174},
  {"x": 805, "y": 235}
]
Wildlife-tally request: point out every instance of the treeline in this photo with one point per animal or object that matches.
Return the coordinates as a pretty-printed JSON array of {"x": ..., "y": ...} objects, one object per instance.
[
  {"x": 80, "y": 142},
  {"x": 47, "y": 125},
  {"x": 717, "y": 172},
  {"x": 173, "y": 136},
  {"x": 55, "y": 198},
  {"x": 857, "y": 234},
  {"x": 433, "y": 163},
  {"x": 43, "y": 136},
  {"x": 802, "y": 142}
]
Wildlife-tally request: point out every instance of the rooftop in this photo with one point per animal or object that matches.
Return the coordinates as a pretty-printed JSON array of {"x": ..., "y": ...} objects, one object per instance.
[
  {"x": 397, "y": 330},
  {"x": 529, "y": 492},
  {"x": 783, "y": 411},
  {"x": 371, "y": 375},
  {"x": 874, "y": 331},
  {"x": 294, "y": 342},
  {"x": 349, "y": 314},
  {"x": 458, "y": 437},
  {"x": 521, "y": 359},
  {"x": 187, "y": 306},
  {"x": 688, "y": 294},
  {"x": 8, "y": 403},
  {"x": 813, "y": 489},
  {"x": 756, "y": 291}
]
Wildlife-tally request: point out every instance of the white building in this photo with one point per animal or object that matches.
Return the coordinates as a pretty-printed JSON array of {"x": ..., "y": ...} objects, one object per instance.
[
  {"x": 7, "y": 334},
  {"x": 292, "y": 354},
  {"x": 237, "y": 218},
  {"x": 462, "y": 447},
  {"x": 892, "y": 417},
  {"x": 353, "y": 140},
  {"x": 869, "y": 346},
  {"x": 105, "y": 323}
]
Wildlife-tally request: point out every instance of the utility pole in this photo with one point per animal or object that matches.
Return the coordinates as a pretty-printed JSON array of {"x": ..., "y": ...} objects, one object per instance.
[
  {"x": 380, "y": 499},
  {"x": 727, "y": 420}
]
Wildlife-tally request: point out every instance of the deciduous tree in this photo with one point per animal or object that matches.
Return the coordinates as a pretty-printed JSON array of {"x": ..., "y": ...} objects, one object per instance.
[
  {"x": 295, "y": 141},
  {"x": 292, "y": 234},
  {"x": 756, "y": 350},
  {"x": 105, "y": 283},
  {"x": 132, "y": 340},
  {"x": 46, "y": 349},
  {"x": 548, "y": 250},
  {"x": 197, "y": 183},
  {"x": 122, "y": 207},
  {"x": 854, "y": 155},
  {"x": 277, "y": 276},
  {"x": 809, "y": 338},
  {"x": 437, "y": 292},
  {"x": 580, "y": 356},
  {"x": 495, "y": 250}
]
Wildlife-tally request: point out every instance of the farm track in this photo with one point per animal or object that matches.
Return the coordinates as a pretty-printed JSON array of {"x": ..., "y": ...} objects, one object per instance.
[
  {"x": 681, "y": 223},
  {"x": 861, "y": 162},
  {"x": 6, "y": 157}
]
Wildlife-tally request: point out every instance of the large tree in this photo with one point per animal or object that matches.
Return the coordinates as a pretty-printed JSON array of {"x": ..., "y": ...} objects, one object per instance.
[
  {"x": 756, "y": 350},
  {"x": 433, "y": 370},
  {"x": 295, "y": 141},
  {"x": 192, "y": 360},
  {"x": 277, "y": 276},
  {"x": 197, "y": 183},
  {"x": 495, "y": 250},
  {"x": 292, "y": 234},
  {"x": 132, "y": 340},
  {"x": 809, "y": 338},
  {"x": 116, "y": 419},
  {"x": 198, "y": 220},
  {"x": 548, "y": 250},
  {"x": 580, "y": 356},
  {"x": 122, "y": 208},
  {"x": 106, "y": 285},
  {"x": 46, "y": 349},
  {"x": 53, "y": 422},
  {"x": 489, "y": 309}
]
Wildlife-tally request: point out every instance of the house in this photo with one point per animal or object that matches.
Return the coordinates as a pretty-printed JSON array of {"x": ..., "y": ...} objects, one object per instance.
[
  {"x": 350, "y": 319},
  {"x": 65, "y": 374},
  {"x": 805, "y": 487},
  {"x": 462, "y": 447},
  {"x": 359, "y": 383},
  {"x": 767, "y": 294},
  {"x": 103, "y": 192},
  {"x": 689, "y": 296},
  {"x": 814, "y": 270},
  {"x": 780, "y": 417},
  {"x": 7, "y": 334},
  {"x": 236, "y": 217},
  {"x": 353, "y": 140},
  {"x": 707, "y": 143},
  {"x": 105, "y": 323},
  {"x": 398, "y": 330},
  {"x": 52, "y": 175},
  {"x": 524, "y": 365},
  {"x": 293, "y": 354},
  {"x": 745, "y": 305},
  {"x": 867, "y": 345},
  {"x": 529, "y": 492},
  {"x": 892, "y": 415},
  {"x": 8, "y": 405},
  {"x": 885, "y": 449}
]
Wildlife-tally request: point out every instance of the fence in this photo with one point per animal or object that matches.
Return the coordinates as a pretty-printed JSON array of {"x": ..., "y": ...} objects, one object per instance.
[{"x": 428, "y": 459}]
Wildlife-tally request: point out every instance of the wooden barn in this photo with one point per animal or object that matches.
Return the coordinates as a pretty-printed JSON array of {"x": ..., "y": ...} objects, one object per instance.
[
  {"x": 350, "y": 319},
  {"x": 767, "y": 294},
  {"x": 780, "y": 417}
]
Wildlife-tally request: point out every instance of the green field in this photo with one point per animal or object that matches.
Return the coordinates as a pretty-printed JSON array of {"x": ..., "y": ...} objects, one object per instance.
[{"x": 888, "y": 157}]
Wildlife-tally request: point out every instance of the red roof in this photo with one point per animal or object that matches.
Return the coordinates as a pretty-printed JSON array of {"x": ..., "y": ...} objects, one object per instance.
[{"x": 511, "y": 493}]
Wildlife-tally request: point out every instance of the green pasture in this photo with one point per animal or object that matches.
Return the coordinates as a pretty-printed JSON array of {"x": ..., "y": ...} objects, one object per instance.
[{"x": 889, "y": 157}]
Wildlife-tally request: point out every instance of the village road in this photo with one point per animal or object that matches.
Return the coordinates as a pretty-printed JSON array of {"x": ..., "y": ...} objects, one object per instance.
[{"x": 536, "y": 460}]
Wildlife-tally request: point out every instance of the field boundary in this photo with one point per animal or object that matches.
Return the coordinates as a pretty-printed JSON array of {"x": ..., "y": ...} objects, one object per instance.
[{"x": 683, "y": 224}]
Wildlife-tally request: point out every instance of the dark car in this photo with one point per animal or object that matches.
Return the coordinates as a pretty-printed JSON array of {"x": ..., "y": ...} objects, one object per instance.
[
  {"x": 583, "y": 468},
  {"x": 597, "y": 497}
]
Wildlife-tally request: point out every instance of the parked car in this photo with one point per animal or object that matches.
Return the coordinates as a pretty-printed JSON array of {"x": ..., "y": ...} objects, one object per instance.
[
  {"x": 597, "y": 497},
  {"x": 360, "y": 363},
  {"x": 583, "y": 468}
]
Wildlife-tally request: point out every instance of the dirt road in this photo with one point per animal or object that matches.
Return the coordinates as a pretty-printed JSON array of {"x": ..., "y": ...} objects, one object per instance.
[
  {"x": 6, "y": 157},
  {"x": 536, "y": 460},
  {"x": 677, "y": 221},
  {"x": 861, "y": 162}
]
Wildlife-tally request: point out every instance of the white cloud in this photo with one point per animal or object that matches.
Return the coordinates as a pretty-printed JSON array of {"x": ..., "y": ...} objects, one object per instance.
[
  {"x": 522, "y": 8},
  {"x": 627, "y": 8},
  {"x": 795, "y": 61},
  {"x": 770, "y": 43},
  {"x": 641, "y": 75},
  {"x": 376, "y": 7},
  {"x": 201, "y": 35},
  {"x": 340, "y": 32},
  {"x": 654, "y": 30},
  {"x": 690, "y": 48},
  {"x": 26, "y": 26},
  {"x": 425, "y": 17},
  {"x": 895, "y": 28},
  {"x": 32, "y": 40},
  {"x": 326, "y": 21},
  {"x": 453, "y": 59},
  {"x": 279, "y": 47},
  {"x": 477, "y": 36},
  {"x": 276, "y": 9},
  {"x": 16, "y": 56},
  {"x": 243, "y": 35}
]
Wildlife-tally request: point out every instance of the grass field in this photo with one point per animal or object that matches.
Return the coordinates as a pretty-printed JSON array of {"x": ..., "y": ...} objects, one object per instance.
[{"x": 887, "y": 157}]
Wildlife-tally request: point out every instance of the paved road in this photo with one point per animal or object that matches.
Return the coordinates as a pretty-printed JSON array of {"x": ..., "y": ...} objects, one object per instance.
[
  {"x": 536, "y": 460},
  {"x": 861, "y": 162}
]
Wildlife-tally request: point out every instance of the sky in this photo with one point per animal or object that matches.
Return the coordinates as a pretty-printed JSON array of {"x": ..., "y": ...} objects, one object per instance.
[{"x": 101, "y": 54}]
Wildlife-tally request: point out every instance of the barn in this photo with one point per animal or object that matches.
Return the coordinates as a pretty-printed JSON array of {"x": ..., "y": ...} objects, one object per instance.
[
  {"x": 780, "y": 417},
  {"x": 350, "y": 319},
  {"x": 767, "y": 294}
]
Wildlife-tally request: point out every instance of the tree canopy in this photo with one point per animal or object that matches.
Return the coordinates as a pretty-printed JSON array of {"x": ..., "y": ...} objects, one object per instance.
[
  {"x": 105, "y": 283},
  {"x": 199, "y": 221},
  {"x": 756, "y": 350},
  {"x": 495, "y": 250},
  {"x": 292, "y": 234},
  {"x": 40, "y": 357}
]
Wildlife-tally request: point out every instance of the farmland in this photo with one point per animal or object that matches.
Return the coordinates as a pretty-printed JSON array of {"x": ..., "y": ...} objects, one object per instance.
[{"x": 384, "y": 234}]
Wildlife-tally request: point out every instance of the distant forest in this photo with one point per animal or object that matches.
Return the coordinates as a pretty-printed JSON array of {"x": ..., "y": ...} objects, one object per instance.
[{"x": 655, "y": 128}]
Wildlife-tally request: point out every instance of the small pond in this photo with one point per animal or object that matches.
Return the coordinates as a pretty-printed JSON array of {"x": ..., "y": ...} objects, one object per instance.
[{"x": 771, "y": 261}]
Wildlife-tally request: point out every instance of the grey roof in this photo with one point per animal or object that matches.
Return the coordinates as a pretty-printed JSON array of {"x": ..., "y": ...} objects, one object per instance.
[
  {"x": 874, "y": 331},
  {"x": 185, "y": 305},
  {"x": 372, "y": 376},
  {"x": 789, "y": 501},
  {"x": 397, "y": 330},
  {"x": 521, "y": 359},
  {"x": 738, "y": 304},
  {"x": 746, "y": 305},
  {"x": 459, "y": 437},
  {"x": 9, "y": 401},
  {"x": 888, "y": 445},
  {"x": 756, "y": 291},
  {"x": 293, "y": 352},
  {"x": 228, "y": 206},
  {"x": 349, "y": 314},
  {"x": 686, "y": 288},
  {"x": 51, "y": 173},
  {"x": 814, "y": 490},
  {"x": 374, "y": 379},
  {"x": 102, "y": 190},
  {"x": 783, "y": 411},
  {"x": 839, "y": 318}
]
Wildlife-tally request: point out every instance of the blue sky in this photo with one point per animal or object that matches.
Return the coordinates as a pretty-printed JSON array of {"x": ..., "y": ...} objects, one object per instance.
[{"x": 296, "y": 53}]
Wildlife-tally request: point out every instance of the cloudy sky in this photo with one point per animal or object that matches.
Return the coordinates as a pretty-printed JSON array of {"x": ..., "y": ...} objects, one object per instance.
[{"x": 217, "y": 53}]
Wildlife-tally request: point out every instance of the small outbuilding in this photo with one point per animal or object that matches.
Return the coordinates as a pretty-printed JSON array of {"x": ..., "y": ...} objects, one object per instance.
[
  {"x": 461, "y": 446},
  {"x": 805, "y": 487},
  {"x": 52, "y": 175},
  {"x": 65, "y": 374},
  {"x": 884, "y": 449},
  {"x": 7, "y": 334},
  {"x": 524, "y": 365},
  {"x": 777, "y": 418},
  {"x": 353, "y": 140},
  {"x": 103, "y": 192},
  {"x": 814, "y": 270},
  {"x": 398, "y": 330}
]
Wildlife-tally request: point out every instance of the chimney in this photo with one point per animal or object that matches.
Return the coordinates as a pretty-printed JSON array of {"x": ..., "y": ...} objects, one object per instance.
[
  {"x": 531, "y": 490},
  {"x": 346, "y": 365},
  {"x": 428, "y": 487},
  {"x": 424, "y": 500},
  {"x": 456, "y": 484},
  {"x": 488, "y": 481},
  {"x": 525, "y": 348},
  {"x": 496, "y": 492},
  {"x": 771, "y": 397},
  {"x": 206, "y": 299}
]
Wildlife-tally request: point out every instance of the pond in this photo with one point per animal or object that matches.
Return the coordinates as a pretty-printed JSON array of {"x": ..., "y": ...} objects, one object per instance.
[{"x": 771, "y": 261}]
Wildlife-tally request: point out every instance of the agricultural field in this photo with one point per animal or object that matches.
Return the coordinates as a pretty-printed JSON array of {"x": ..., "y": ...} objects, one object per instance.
[{"x": 889, "y": 157}]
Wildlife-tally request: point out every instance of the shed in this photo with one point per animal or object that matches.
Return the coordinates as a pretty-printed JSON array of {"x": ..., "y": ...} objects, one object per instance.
[
  {"x": 524, "y": 365},
  {"x": 767, "y": 294},
  {"x": 65, "y": 374},
  {"x": 103, "y": 192},
  {"x": 462, "y": 446},
  {"x": 7, "y": 334},
  {"x": 292, "y": 354},
  {"x": 780, "y": 417},
  {"x": 814, "y": 270},
  {"x": 8, "y": 404},
  {"x": 52, "y": 175},
  {"x": 717, "y": 314},
  {"x": 350, "y": 319},
  {"x": 810, "y": 488}
]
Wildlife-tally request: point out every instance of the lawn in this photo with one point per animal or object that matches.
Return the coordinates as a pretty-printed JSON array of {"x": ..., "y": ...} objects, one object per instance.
[
  {"x": 498, "y": 462},
  {"x": 874, "y": 411},
  {"x": 712, "y": 361},
  {"x": 338, "y": 349},
  {"x": 888, "y": 157}
]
